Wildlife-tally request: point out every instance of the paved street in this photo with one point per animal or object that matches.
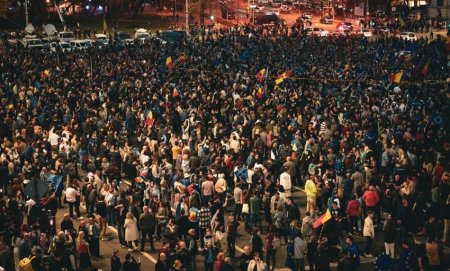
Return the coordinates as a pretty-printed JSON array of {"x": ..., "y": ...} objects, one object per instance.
[{"x": 149, "y": 259}]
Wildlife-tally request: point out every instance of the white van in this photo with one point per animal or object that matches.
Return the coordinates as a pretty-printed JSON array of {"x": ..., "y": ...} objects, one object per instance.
[
  {"x": 66, "y": 36},
  {"x": 141, "y": 35}
]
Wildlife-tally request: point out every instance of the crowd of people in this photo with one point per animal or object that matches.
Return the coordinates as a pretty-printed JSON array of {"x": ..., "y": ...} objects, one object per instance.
[{"x": 210, "y": 150}]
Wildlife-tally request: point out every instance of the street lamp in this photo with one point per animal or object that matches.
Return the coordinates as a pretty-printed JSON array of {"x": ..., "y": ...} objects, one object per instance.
[{"x": 187, "y": 16}]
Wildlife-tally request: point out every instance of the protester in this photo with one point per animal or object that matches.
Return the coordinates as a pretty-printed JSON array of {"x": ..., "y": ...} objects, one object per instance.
[
  {"x": 299, "y": 252},
  {"x": 363, "y": 130},
  {"x": 256, "y": 264},
  {"x": 131, "y": 232},
  {"x": 116, "y": 263}
]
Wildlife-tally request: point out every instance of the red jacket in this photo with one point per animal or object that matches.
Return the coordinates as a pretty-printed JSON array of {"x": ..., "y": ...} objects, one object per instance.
[
  {"x": 353, "y": 208},
  {"x": 371, "y": 198}
]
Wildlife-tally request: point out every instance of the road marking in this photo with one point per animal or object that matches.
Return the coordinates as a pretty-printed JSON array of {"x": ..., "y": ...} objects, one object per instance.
[{"x": 145, "y": 254}]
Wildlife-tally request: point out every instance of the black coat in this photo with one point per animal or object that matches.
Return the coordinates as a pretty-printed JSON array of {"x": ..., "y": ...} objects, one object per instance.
[
  {"x": 161, "y": 266},
  {"x": 131, "y": 266},
  {"x": 116, "y": 264}
]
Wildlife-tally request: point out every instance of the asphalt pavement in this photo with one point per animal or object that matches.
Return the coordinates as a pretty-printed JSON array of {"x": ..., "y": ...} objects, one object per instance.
[{"x": 148, "y": 259}]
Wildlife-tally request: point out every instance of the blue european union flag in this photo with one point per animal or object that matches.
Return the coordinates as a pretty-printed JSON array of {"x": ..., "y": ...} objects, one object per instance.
[
  {"x": 56, "y": 183},
  {"x": 245, "y": 54},
  {"x": 33, "y": 101}
]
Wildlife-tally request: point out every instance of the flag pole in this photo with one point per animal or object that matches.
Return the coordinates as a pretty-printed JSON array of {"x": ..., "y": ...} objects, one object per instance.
[{"x": 265, "y": 80}]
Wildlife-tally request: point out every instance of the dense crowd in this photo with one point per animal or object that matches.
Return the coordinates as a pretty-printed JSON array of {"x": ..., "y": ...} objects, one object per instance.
[{"x": 211, "y": 150}]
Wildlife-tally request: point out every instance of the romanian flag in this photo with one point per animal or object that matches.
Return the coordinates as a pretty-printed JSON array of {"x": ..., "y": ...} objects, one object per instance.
[
  {"x": 261, "y": 75},
  {"x": 322, "y": 219},
  {"x": 396, "y": 77},
  {"x": 259, "y": 94},
  {"x": 182, "y": 59},
  {"x": 175, "y": 93},
  {"x": 169, "y": 62},
  {"x": 140, "y": 179},
  {"x": 149, "y": 118},
  {"x": 283, "y": 76},
  {"x": 45, "y": 73}
]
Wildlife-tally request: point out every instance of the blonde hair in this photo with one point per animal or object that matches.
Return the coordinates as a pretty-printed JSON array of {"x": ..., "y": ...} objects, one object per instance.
[{"x": 130, "y": 215}]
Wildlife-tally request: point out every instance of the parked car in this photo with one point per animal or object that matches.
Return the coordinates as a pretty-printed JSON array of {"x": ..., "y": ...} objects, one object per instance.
[
  {"x": 62, "y": 46},
  {"x": 101, "y": 39},
  {"x": 365, "y": 32},
  {"x": 141, "y": 35},
  {"x": 273, "y": 12},
  {"x": 173, "y": 36},
  {"x": 383, "y": 30},
  {"x": 326, "y": 20},
  {"x": 303, "y": 19},
  {"x": 320, "y": 32},
  {"x": 66, "y": 36},
  {"x": 45, "y": 43},
  {"x": 344, "y": 26},
  {"x": 80, "y": 44},
  {"x": 32, "y": 42},
  {"x": 307, "y": 15},
  {"x": 265, "y": 19},
  {"x": 409, "y": 36},
  {"x": 124, "y": 38}
]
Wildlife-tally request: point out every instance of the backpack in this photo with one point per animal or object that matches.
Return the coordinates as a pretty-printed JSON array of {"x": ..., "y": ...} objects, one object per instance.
[
  {"x": 276, "y": 243},
  {"x": 25, "y": 264},
  {"x": 306, "y": 229},
  {"x": 280, "y": 222}
]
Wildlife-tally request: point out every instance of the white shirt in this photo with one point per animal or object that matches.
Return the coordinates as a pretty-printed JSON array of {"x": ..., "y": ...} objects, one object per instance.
[
  {"x": 28, "y": 204},
  {"x": 285, "y": 181},
  {"x": 53, "y": 139},
  {"x": 71, "y": 194}
]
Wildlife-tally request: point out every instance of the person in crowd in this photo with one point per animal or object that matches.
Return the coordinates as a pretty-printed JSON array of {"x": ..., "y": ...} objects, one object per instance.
[
  {"x": 192, "y": 247},
  {"x": 245, "y": 258},
  {"x": 131, "y": 264},
  {"x": 369, "y": 233},
  {"x": 300, "y": 249},
  {"x": 210, "y": 254},
  {"x": 231, "y": 235},
  {"x": 188, "y": 133},
  {"x": 352, "y": 253},
  {"x": 25, "y": 247},
  {"x": 256, "y": 242},
  {"x": 93, "y": 237},
  {"x": 162, "y": 263},
  {"x": 83, "y": 251},
  {"x": 116, "y": 262},
  {"x": 389, "y": 236},
  {"x": 256, "y": 263},
  {"x": 131, "y": 232},
  {"x": 102, "y": 214},
  {"x": 147, "y": 225}
]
